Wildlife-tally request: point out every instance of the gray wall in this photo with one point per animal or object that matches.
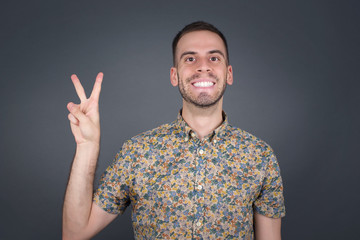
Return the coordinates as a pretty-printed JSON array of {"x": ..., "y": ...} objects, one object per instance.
[{"x": 296, "y": 86}]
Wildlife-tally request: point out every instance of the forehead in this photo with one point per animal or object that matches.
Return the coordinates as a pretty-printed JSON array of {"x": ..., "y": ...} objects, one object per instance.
[{"x": 200, "y": 41}]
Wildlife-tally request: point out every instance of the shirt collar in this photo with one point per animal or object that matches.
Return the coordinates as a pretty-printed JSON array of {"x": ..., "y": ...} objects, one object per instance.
[{"x": 187, "y": 131}]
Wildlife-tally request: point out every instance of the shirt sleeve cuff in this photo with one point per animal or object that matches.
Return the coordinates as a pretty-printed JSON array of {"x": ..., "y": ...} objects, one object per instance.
[{"x": 270, "y": 212}]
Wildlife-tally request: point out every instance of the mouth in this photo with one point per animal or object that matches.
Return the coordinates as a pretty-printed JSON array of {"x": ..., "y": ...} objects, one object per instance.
[{"x": 203, "y": 83}]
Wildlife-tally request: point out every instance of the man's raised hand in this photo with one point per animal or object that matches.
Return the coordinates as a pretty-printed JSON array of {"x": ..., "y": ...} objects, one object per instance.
[
  {"x": 84, "y": 117},
  {"x": 78, "y": 216}
]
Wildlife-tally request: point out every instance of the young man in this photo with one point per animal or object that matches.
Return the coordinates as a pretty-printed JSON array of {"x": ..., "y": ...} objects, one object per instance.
[{"x": 197, "y": 177}]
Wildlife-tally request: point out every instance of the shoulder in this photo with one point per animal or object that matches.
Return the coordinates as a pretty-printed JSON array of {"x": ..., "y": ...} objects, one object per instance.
[
  {"x": 144, "y": 143},
  {"x": 253, "y": 150},
  {"x": 246, "y": 140},
  {"x": 157, "y": 135}
]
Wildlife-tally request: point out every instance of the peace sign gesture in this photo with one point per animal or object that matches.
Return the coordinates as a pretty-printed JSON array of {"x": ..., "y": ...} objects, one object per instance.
[{"x": 84, "y": 117}]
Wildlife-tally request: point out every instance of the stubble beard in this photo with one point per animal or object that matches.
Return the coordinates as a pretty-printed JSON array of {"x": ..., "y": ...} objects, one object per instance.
[{"x": 204, "y": 100}]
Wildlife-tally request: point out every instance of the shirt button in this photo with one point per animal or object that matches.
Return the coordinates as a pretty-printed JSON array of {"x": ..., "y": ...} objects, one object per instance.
[
  {"x": 198, "y": 224},
  {"x": 199, "y": 187},
  {"x": 215, "y": 141},
  {"x": 201, "y": 152},
  {"x": 186, "y": 139}
]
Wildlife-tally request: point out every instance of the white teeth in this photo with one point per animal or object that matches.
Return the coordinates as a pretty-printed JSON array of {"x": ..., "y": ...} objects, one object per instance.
[{"x": 203, "y": 84}]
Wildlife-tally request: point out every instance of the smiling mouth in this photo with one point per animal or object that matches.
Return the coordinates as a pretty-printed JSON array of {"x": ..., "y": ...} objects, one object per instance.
[{"x": 203, "y": 84}]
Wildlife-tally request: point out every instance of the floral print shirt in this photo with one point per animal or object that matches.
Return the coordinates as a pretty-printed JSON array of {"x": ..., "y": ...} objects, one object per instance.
[{"x": 181, "y": 187}]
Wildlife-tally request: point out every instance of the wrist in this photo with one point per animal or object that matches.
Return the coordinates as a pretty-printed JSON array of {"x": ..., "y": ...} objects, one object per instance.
[
  {"x": 88, "y": 146},
  {"x": 87, "y": 153}
]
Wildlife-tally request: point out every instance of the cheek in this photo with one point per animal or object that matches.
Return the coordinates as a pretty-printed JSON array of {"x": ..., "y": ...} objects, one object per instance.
[{"x": 185, "y": 69}]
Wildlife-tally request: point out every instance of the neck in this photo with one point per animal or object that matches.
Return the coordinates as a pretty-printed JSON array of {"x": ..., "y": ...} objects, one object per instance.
[{"x": 202, "y": 120}]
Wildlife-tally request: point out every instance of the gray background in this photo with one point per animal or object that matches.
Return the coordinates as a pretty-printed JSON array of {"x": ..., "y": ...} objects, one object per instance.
[{"x": 296, "y": 86}]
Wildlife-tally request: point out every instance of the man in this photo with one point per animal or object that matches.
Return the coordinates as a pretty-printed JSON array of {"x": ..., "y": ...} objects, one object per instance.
[{"x": 197, "y": 178}]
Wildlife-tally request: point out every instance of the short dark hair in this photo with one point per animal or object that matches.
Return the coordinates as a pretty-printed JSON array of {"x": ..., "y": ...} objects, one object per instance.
[{"x": 198, "y": 26}]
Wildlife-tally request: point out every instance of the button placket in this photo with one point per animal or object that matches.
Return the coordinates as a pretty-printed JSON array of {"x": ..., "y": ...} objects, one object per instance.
[
  {"x": 200, "y": 166},
  {"x": 199, "y": 188}
]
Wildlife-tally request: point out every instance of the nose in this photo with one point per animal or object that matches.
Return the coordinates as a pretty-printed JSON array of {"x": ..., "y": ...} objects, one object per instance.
[{"x": 203, "y": 66}]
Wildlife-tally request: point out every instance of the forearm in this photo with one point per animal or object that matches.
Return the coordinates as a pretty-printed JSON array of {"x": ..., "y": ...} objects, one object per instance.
[{"x": 78, "y": 196}]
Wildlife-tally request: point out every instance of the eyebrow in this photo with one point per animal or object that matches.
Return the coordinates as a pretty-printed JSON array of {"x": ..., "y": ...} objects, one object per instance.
[
  {"x": 210, "y": 52},
  {"x": 219, "y": 52},
  {"x": 187, "y": 53}
]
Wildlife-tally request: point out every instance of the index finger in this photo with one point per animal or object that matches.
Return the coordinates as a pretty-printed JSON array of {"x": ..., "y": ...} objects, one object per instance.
[
  {"x": 78, "y": 87},
  {"x": 97, "y": 87}
]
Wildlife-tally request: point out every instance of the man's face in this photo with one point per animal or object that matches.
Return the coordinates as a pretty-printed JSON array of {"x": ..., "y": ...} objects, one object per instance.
[{"x": 201, "y": 70}]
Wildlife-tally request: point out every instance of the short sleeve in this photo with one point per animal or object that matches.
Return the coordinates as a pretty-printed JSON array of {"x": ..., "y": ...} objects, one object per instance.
[
  {"x": 113, "y": 194},
  {"x": 270, "y": 202}
]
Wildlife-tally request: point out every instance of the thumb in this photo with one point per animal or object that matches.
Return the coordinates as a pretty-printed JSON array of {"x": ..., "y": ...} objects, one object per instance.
[
  {"x": 73, "y": 119},
  {"x": 75, "y": 111}
]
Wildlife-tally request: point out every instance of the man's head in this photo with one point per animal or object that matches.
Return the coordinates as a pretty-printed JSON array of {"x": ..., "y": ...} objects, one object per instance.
[
  {"x": 201, "y": 69},
  {"x": 197, "y": 26}
]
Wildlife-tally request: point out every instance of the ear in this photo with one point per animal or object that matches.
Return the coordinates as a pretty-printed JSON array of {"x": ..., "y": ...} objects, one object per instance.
[
  {"x": 229, "y": 79},
  {"x": 173, "y": 76}
]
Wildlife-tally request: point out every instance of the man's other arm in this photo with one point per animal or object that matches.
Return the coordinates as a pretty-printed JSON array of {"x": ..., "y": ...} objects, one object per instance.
[{"x": 267, "y": 228}]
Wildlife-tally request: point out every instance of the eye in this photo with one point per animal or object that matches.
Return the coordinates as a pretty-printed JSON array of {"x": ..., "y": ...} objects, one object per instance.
[
  {"x": 214, "y": 59},
  {"x": 190, "y": 59}
]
